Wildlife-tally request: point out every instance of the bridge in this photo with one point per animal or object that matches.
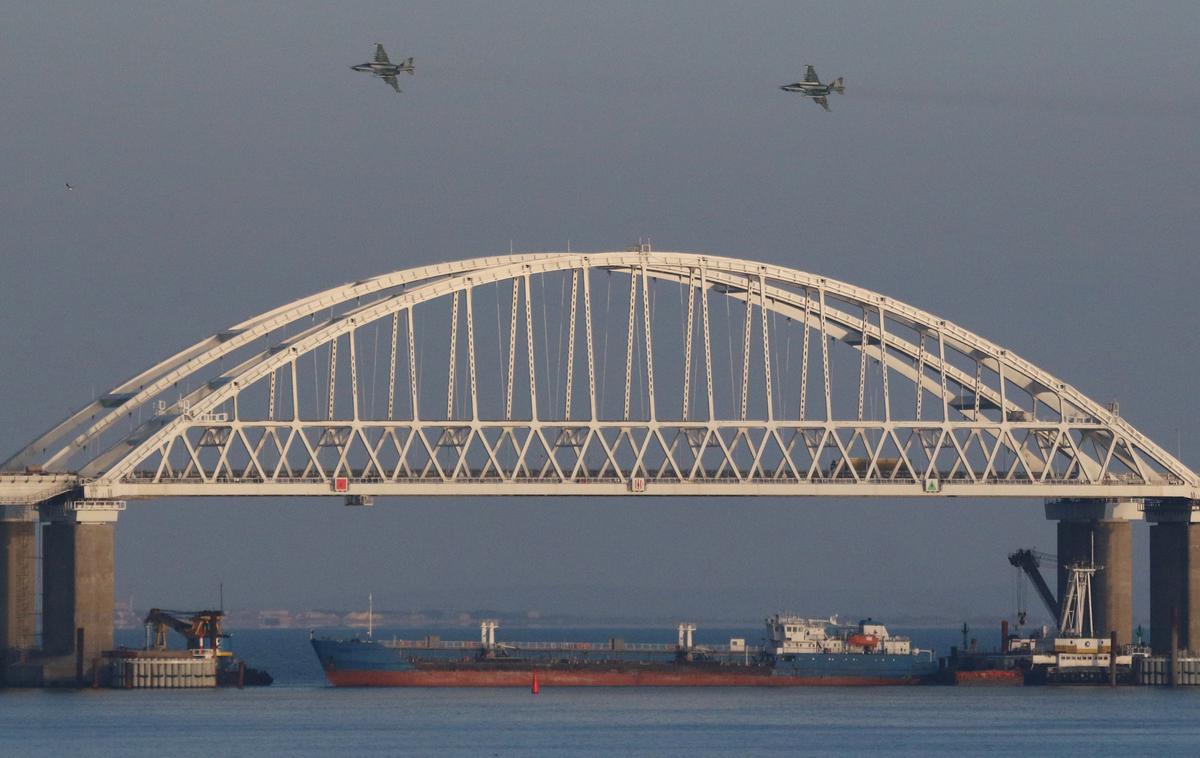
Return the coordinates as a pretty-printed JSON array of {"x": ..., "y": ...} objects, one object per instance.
[{"x": 634, "y": 373}]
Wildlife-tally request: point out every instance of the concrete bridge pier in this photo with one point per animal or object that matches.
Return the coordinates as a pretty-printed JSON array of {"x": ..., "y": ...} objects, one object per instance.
[
  {"x": 1105, "y": 526},
  {"x": 18, "y": 580},
  {"x": 1174, "y": 575},
  {"x": 77, "y": 586}
]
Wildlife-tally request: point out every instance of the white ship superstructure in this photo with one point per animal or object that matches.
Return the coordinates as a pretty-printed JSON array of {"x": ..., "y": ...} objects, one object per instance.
[{"x": 787, "y": 635}]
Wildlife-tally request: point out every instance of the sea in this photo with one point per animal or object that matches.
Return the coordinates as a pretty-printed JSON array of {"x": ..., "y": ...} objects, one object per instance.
[{"x": 300, "y": 715}]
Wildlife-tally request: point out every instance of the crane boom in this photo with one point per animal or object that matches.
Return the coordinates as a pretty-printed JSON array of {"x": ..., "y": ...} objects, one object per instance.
[
  {"x": 202, "y": 629},
  {"x": 1029, "y": 562}
]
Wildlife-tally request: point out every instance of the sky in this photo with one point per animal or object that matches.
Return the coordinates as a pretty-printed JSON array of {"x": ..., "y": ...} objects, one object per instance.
[{"x": 1027, "y": 170}]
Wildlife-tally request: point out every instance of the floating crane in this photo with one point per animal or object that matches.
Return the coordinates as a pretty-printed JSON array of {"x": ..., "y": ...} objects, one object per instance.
[
  {"x": 201, "y": 629},
  {"x": 1030, "y": 562}
]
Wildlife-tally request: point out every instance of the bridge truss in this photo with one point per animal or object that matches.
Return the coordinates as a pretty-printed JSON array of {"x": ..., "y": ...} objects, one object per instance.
[{"x": 595, "y": 374}]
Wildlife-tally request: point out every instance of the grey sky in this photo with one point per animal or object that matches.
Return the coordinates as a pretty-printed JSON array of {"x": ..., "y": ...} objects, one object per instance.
[{"x": 1028, "y": 170}]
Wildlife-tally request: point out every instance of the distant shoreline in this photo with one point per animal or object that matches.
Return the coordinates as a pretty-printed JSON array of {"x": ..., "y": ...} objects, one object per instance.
[{"x": 234, "y": 624}]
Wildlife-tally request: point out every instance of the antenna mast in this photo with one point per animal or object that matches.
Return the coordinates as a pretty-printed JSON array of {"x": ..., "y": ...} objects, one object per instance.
[{"x": 1077, "y": 605}]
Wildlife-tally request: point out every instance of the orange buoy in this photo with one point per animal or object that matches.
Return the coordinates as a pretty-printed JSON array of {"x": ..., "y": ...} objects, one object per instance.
[{"x": 535, "y": 687}]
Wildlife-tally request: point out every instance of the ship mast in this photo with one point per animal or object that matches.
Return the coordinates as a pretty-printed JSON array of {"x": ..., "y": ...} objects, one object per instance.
[{"x": 1077, "y": 605}]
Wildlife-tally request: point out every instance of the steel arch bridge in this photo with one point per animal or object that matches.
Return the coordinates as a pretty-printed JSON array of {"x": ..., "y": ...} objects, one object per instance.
[{"x": 595, "y": 374}]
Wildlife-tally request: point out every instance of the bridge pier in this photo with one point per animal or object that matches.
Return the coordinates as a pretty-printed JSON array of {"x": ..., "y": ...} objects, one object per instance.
[
  {"x": 18, "y": 580},
  {"x": 1174, "y": 575},
  {"x": 1105, "y": 526},
  {"x": 77, "y": 586}
]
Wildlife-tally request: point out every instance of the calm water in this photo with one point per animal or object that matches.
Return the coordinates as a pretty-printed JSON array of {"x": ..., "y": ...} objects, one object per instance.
[{"x": 301, "y": 716}]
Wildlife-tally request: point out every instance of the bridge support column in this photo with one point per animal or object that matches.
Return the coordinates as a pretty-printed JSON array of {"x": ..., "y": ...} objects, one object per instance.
[
  {"x": 1174, "y": 575},
  {"x": 77, "y": 584},
  {"x": 1105, "y": 526},
  {"x": 18, "y": 579}
]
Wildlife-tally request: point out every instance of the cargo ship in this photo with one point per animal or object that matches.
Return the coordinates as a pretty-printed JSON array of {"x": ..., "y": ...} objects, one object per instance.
[{"x": 796, "y": 652}]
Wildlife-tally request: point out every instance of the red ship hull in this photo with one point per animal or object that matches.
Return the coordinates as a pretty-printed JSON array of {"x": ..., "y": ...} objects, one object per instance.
[
  {"x": 1014, "y": 677},
  {"x": 548, "y": 677}
]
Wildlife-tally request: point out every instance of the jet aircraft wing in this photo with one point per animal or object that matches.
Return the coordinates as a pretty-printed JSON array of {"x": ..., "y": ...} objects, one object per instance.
[
  {"x": 822, "y": 101},
  {"x": 391, "y": 80},
  {"x": 810, "y": 75},
  {"x": 380, "y": 54}
]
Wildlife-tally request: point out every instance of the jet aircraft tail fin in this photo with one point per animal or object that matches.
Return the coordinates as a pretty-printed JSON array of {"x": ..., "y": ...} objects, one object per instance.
[
  {"x": 408, "y": 65},
  {"x": 837, "y": 86}
]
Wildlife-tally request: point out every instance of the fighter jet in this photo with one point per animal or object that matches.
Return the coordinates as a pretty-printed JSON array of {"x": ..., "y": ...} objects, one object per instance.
[
  {"x": 812, "y": 87},
  {"x": 384, "y": 68}
]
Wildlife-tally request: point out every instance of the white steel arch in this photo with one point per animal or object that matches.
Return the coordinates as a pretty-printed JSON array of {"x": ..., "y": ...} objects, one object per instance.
[{"x": 884, "y": 400}]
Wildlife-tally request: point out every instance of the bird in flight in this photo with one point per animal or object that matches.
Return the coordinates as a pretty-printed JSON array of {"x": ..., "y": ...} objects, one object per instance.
[{"x": 69, "y": 186}]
